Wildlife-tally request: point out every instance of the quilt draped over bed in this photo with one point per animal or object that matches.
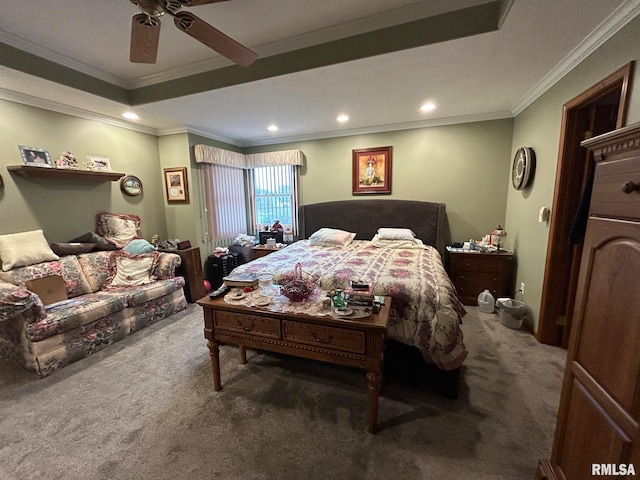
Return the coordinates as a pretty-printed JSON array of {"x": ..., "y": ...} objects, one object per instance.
[{"x": 425, "y": 311}]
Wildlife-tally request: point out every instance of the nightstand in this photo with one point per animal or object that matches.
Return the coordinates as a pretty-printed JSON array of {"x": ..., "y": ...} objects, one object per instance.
[
  {"x": 263, "y": 250},
  {"x": 475, "y": 272},
  {"x": 191, "y": 270}
]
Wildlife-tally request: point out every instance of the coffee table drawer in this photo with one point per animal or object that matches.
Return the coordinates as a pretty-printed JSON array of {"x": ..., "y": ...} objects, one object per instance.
[
  {"x": 238, "y": 322},
  {"x": 327, "y": 337}
]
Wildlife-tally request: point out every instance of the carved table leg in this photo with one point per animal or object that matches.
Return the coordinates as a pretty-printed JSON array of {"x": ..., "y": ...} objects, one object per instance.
[
  {"x": 243, "y": 355},
  {"x": 374, "y": 380},
  {"x": 214, "y": 353}
]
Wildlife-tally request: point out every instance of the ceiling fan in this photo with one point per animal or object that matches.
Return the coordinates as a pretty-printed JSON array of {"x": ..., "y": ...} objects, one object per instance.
[{"x": 145, "y": 31}]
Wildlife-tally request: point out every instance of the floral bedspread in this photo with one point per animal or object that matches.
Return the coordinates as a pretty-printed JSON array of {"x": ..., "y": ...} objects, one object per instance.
[{"x": 425, "y": 311}]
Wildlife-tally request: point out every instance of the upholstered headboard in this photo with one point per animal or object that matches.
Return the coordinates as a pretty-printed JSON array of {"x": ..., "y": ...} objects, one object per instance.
[{"x": 364, "y": 217}]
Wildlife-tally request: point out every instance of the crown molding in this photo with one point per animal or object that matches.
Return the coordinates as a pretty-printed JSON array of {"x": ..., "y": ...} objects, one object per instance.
[
  {"x": 24, "y": 99},
  {"x": 195, "y": 131},
  {"x": 57, "y": 57},
  {"x": 621, "y": 16},
  {"x": 436, "y": 122}
]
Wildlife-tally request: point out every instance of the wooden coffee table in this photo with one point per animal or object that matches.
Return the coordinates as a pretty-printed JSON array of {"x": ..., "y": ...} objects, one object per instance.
[{"x": 350, "y": 342}]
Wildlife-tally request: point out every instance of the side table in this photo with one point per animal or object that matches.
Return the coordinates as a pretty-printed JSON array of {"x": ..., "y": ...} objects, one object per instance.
[
  {"x": 191, "y": 270},
  {"x": 473, "y": 272},
  {"x": 263, "y": 250}
]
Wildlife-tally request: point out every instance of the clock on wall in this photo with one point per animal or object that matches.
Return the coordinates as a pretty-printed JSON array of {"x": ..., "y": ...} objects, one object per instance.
[{"x": 524, "y": 164}]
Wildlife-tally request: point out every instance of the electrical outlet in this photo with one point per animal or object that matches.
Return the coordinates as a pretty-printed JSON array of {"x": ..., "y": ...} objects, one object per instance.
[{"x": 522, "y": 288}]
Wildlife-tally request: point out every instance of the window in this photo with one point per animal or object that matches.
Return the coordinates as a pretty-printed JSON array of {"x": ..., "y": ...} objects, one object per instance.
[{"x": 274, "y": 196}]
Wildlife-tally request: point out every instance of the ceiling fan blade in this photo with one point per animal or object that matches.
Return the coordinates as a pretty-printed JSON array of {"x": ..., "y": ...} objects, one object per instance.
[
  {"x": 214, "y": 38},
  {"x": 145, "y": 35},
  {"x": 195, "y": 3}
]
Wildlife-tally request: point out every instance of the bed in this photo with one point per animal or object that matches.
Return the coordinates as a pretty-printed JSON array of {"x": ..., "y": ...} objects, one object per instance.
[{"x": 426, "y": 312}]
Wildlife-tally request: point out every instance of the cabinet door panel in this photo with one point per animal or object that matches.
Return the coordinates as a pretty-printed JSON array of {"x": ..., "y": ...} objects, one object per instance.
[{"x": 608, "y": 349}]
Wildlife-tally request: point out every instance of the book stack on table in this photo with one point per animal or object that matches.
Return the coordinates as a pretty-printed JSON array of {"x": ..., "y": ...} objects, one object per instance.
[{"x": 360, "y": 297}]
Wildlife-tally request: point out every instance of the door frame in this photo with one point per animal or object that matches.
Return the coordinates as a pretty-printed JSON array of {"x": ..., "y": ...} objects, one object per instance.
[{"x": 570, "y": 172}]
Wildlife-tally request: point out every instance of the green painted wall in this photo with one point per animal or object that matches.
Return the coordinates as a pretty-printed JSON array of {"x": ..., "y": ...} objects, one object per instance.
[
  {"x": 65, "y": 209},
  {"x": 465, "y": 166},
  {"x": 539, "y": 127}
]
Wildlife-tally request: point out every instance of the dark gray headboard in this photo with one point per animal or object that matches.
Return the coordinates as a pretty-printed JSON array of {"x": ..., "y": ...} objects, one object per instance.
[{"x": 364, "y": 217}]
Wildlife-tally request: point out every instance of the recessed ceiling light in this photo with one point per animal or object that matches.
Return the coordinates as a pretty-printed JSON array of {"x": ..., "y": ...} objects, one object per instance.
[
  {"x": 427, "y": 107},
  {"x": 130, "y": 116},
  {"x": 343, "y": 118},
  {"x": 272, "y": 128}
]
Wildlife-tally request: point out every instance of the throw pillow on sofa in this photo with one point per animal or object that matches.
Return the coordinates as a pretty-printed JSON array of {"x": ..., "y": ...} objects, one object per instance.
[
  {"x": 139, "y": 246},
  {"x": 118, "y": 228},
  {"x": 100, "y": 242},
  {"x": 26, "y": 248},
  {"x": 126, "y": 270}
]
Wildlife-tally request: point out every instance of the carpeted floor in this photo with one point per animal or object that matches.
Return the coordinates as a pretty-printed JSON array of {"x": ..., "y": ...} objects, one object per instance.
[{"x": 145, "y": 408}]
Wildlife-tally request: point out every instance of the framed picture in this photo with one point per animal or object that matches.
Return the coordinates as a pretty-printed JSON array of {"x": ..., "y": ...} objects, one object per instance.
[
  {"x": 35, "y": 157},
  {"x": 175, "y": 180},
  {"x": 98, "y": 164},
  {"x": 372, "y": 171},
  {"x": 131, "y": 185}
]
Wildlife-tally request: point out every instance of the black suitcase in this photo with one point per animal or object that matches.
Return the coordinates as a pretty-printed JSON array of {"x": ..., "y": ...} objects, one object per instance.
[{"x": 217, "y": 267}]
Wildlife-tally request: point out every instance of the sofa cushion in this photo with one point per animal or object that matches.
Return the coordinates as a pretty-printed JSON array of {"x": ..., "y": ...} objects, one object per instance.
[
  {"x": 68, "y": 267},
  {"x": 79, "y": 311},
  {"x": 127, "y": 270},
  {"x": 135, "y": 296},
  {"x": 118, "y": 228},
  {"x": 26, "y": 248},
  {"x": 95, "y": 266}
]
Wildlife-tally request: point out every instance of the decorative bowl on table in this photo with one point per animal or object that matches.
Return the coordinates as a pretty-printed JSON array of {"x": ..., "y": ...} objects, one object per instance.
[{"x": 297, "y": 289}]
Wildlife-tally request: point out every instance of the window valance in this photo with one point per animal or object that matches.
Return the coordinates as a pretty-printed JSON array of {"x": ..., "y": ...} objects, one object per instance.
[{"x": 219, "y": 156}]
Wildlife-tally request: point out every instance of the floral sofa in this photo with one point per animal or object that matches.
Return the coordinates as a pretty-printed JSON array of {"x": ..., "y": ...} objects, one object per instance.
[{"x": 44, "y": 340}]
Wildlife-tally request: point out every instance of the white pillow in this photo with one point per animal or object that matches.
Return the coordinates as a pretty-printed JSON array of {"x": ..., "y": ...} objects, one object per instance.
[
  {"x": 413, "y": 243},
  {"x": 118, "y": 228},
  {"x": 395, "y": 234},
  {"x": 127, "y": 270},
  {"x": 331, "y": 237},
  {"x": 22, "y": 249}
]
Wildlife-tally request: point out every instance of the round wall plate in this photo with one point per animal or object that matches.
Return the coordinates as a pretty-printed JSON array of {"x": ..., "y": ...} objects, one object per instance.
[
  {"x": 523, "y": 167},
  {"x": 131, "y": 185}
]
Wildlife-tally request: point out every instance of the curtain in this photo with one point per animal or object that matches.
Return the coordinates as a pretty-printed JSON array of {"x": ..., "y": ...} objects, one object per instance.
[
  {"x": 225, "y": 202},
  {"x": 219, "y": 156}
]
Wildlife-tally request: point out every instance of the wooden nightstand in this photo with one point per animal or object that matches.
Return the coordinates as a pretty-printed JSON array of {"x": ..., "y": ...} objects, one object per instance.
[
  {"x": 191, "y": 270},
  {"x": 262, "y": 250},
  {"x": 472, "y": 273}
]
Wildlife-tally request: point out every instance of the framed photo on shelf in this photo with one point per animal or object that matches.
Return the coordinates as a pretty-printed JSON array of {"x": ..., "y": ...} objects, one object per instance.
[
  {"x": 372, "y": 171},
  {"x": 35, "y": 157},
  {"x": 98, "y": 164},
  {"x": 131, "y": 185},
  {"x": 175, "y": 179}
]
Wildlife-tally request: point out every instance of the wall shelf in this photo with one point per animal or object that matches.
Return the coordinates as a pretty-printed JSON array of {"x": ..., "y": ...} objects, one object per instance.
[{"x": 64, "y": 174}]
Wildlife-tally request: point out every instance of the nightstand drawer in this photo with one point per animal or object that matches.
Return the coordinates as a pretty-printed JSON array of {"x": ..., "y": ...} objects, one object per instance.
[
  {"x": 469, "y": 264},
  {"x": 327, "y": 337},
  {"x": 254, "y": 325}
]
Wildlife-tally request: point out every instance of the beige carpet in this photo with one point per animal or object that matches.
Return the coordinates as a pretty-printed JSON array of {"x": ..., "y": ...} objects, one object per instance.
[{"x": 145, "y": 409}]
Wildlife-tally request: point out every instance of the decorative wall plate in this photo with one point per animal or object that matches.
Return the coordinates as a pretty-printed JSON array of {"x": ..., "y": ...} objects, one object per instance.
[
  {"x": 131, "y": 185},
  {"x": 523, "y": 166}
]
